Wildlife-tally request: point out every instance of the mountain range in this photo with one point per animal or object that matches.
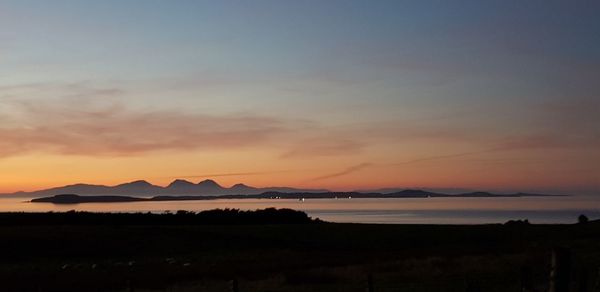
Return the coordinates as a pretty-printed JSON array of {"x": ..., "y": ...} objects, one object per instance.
[
  {"x": 77, "y": 199},
  {"x": 178, "y": 187}
]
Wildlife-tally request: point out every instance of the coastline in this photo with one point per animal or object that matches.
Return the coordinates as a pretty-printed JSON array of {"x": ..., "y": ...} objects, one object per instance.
[{"x": 79, "y": 199}]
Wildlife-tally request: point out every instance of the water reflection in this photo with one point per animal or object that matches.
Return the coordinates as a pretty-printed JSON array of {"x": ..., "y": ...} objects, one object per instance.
[{"x": 413, "y": 210}]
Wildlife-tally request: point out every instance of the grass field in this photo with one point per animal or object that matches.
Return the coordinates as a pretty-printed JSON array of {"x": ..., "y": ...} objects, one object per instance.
[{"x": 291, "y": 257}]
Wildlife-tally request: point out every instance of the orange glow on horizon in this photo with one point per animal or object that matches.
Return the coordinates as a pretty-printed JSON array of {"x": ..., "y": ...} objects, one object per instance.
[{"x": 39, "y": 171}]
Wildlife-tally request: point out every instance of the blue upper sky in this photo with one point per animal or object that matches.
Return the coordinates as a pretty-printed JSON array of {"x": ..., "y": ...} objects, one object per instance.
[{"x": 383, "y": 81}]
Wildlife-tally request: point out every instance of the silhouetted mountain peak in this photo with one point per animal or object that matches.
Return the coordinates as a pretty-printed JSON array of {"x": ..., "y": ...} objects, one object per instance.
[
  {"x": 241, "y": 186},
  {"x": 81, "y": 185},
  {"x": 177, "y": 187},
  {"x": 137, "y": 183},
  {"x": 411, "y": 192},
  {"x": 209, "y": 183},
  {"x": 180, "y": 183}
]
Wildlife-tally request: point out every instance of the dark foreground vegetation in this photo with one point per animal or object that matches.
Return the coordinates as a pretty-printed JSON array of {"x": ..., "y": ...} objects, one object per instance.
[
  {"x": 256, "y": 251},
  {"x": 217, "y": 216}
]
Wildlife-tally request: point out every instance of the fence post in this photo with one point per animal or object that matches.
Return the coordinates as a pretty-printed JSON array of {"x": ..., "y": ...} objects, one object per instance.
[
  {"x": 370, "y": 283},
  {"x": 472, "y": 286},
  {"x": 583, "y": 279},
  {"x": 597, "y": 284},
  {"x": 526, "y": 279},
  {"x": 130, "y": 286},
  {"x": 560, "y": 270},
  {"x": 235, "y": 286}
]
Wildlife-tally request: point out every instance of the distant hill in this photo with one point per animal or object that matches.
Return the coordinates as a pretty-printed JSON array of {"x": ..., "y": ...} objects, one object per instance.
[
  {"x": 76, "y": 199},
  {"x": 178, "y": 187},
  {"x": 450, "y": 191}
]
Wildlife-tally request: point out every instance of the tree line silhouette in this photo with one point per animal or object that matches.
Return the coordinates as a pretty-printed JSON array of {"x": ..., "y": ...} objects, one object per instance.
[{"x": 181, "y": 217}]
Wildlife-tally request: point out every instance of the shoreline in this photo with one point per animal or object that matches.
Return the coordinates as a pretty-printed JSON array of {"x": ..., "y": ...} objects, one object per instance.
[{"x": 82, "y": 199}]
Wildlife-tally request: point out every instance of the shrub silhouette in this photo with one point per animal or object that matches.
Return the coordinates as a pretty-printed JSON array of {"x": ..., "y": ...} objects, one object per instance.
[{"x": 582, "y": 219}]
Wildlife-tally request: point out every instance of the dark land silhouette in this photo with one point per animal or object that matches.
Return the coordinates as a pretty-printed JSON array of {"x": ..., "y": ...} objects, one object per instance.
[
  {"x": 144, "y": 188},
  {"x": 284, "y": 250},
  {"x": 182, "y": 189},
  {"x": 77, "y": 199},
  {"x": 182, "y": 217}
]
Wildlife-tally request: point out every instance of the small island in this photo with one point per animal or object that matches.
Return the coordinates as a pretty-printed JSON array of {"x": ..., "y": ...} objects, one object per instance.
[{"x": 78, "y": 199}]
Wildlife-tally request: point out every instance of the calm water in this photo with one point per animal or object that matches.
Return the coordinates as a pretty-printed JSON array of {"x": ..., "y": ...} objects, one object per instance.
[{"x": 422, "y": 210}]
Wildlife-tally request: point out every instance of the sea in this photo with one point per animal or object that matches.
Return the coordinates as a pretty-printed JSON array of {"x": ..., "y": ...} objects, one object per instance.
[{"x": 541, "y": 210}]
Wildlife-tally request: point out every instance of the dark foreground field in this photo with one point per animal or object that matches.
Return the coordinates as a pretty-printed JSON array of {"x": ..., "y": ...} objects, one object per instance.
[{"x": 46, "y": 252}]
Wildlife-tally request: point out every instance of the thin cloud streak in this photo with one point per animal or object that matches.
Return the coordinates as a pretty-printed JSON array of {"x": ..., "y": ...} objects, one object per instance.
[
  {"x": 362, "y": 166},
  {"x": 346, "y": 171},
  {"x": 440, "y": 157},
  {"x": 325, "y": 146},
  {"x": 115, "y": 130},
  {"x": 235, "y": 174},
  {"x": 503, "y": 148}
]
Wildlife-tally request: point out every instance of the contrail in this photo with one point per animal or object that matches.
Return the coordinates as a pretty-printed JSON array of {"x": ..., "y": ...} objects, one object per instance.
[
  {"x": 440, "y": 157},
  {"x": 431, "y": 158},
  {"x": 233, "y": 174},
  {"x": 344, "y": 172}
]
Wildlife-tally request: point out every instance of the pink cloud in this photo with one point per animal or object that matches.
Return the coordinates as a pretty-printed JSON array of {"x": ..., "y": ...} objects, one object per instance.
[{"x": 84, "y": 129}]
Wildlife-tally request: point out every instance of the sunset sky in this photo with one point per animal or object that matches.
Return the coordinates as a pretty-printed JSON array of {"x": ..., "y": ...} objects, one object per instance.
[{"x": 486, "y": 95}]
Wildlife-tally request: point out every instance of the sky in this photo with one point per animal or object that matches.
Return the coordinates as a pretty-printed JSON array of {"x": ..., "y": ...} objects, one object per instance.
[{"x": 345, "y": 95}]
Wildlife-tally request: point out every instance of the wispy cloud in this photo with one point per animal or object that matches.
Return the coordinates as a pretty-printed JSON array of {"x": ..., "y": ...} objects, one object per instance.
[
  {"x": 549, "y": 141},
  {"x": 441, "y": 157},
  {"x": 324, "y": 146},
  {"x": 252, "y": 173},
  {"x": 364, "y": 165},
  {"x": 113, "y": 129},
  {"x": 346, "y": 171}
]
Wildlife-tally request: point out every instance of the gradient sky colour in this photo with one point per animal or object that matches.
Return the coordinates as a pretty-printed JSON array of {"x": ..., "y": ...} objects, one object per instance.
[{"x": 494, "y": 95}]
